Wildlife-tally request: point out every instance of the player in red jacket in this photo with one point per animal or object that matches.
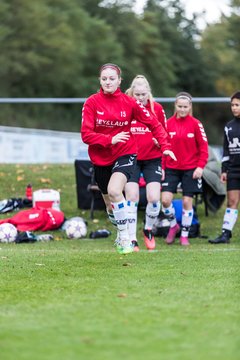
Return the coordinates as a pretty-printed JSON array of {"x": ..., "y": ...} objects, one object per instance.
[
  {"x": 106, "y": 123},
  {"x": 148, "y": 164},
  {"x": 190, "y": 144}
]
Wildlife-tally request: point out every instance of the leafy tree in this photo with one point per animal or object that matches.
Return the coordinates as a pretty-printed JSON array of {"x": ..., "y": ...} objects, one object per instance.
[
  {"x": 181, "y": 34},
  {"x": 50, "y": 49},
  {"x": 126, "y": 27},
  {"x": 101, "y": 47},
  {"x": 220, "y": 47},
  {"x": 48, "y": 46},
  {"x": 225, "y": 52},
  {"x": 156, "y": 56},
  {"x": 97, "y": 8},
  {"x": 144, "y": 50},
  {"x": 38, "y": 47}
]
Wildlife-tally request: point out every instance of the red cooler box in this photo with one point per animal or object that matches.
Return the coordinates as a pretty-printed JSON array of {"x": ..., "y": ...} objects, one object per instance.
[{"x": 46, "y": 198}]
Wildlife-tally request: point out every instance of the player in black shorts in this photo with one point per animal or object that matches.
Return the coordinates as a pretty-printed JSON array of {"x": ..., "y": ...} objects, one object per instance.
[
  {"x": 148, "y": 164},
  {"x": 105, "y": 128},
  {"x": 190, "y": 144},
  {"x": 231, "y": 171}
]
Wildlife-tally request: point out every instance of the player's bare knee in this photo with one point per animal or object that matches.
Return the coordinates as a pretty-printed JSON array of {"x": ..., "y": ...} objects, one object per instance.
[
  {"x": 114, "y": 194},
  {"x": 166, "y": 201}
]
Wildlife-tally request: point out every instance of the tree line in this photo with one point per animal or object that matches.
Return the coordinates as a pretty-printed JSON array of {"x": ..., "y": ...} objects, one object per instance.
[{"x": 54, "y": 48}]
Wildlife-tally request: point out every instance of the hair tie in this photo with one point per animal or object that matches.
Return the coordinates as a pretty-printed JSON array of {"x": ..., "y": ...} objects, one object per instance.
[
  {"x": 112, "y": 66},
  {"x": 185, "y": 97}
]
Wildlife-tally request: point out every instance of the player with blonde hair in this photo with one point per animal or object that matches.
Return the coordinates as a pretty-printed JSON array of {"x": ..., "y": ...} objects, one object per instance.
[{"x": 148, "y": 164}]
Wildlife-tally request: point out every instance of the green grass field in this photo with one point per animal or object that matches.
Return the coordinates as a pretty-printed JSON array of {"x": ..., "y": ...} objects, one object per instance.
[{"x": 79, "y": 299}]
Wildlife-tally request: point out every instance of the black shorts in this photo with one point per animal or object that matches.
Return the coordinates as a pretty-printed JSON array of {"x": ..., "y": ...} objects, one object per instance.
[
  {"x": 184, "y": 180},
  {"x": 151, "y": 170},
  {"x": 124, "y": 164},
  {"x": 233, "y": 184}
]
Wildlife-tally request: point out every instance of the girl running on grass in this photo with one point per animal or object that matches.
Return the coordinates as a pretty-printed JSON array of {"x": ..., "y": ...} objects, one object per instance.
[
  {"x": 106, "y": 123},
  {"x": 148, "y": 164}
]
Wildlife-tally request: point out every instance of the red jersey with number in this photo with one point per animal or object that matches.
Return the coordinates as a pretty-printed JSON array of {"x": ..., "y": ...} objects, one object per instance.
[
  {"x": 105, "y": 115},
  {"x": 146, "y": 148},
  {"x": 189, "y": 143}
]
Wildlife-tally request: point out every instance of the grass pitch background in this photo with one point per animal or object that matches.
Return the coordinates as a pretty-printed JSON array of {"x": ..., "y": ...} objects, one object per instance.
[{"x": 79, "y": 299}]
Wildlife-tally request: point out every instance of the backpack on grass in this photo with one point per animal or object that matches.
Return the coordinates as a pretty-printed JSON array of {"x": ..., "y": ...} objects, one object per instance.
[{"x": 161, "y": 227}]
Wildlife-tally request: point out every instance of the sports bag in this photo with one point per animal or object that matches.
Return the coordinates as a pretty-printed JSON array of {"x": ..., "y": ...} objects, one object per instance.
[{"x": 162, "y": 224}]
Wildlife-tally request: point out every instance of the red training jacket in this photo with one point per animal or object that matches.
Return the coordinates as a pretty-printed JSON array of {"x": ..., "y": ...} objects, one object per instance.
[
  {"x": 105, "y": 115},
  {"x": 189, "y": 143},
  {"x": 146, "y": 149},
  {"x": 36, "y": 219}
]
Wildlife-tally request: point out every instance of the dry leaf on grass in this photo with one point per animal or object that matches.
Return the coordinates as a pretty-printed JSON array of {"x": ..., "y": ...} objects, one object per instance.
[
  {"x": 35, "y": 169},
  {"x": 45, "y": 181},
  {"x": 122, "y": 295}
]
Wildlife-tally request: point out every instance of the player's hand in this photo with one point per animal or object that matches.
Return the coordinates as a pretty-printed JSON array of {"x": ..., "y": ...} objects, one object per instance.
[
  {"x": 223, "y": 177},
  {"x": 170, "y": 153},
  {"x": 197, "y": 174},
  {"x": 121, "y": 137}
]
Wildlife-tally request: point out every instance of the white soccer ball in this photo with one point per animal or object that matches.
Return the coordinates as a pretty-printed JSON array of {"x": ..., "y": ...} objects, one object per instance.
[
  {"x": 76, "y": 228},
  {"x": 8, "y": 233}
]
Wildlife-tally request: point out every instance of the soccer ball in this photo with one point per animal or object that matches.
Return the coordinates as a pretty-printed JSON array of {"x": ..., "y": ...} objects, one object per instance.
[
  {"x": 76, "y": 228},
  {"x": 8, "y": 233}
]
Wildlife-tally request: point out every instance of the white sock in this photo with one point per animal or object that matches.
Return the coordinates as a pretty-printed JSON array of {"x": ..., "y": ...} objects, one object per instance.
[
  {"x": 152, "y": 211},
  {"x": 230, "y": 218},
  {"x": 170, "y": 213},
  {"x": 120, "y": 215},
  {"x": 187, "y": 216},
  {"x": 132, "y": 208}
]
